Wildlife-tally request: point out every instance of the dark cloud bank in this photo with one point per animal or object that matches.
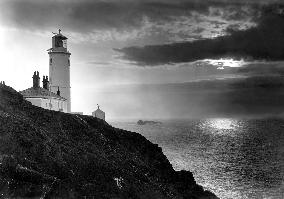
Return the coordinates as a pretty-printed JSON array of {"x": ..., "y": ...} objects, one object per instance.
[
  {"x": 87, "y": 15},
  {"x": 80, "y": 16},
  {"x": 263, "y": 42}
]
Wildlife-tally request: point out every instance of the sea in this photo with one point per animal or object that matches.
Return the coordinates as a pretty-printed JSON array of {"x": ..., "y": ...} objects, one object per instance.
[{"x": 234, "y": 158}]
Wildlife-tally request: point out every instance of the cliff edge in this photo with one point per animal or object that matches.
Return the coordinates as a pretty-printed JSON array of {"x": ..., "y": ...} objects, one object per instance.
[{"x": 48, "y": 154}]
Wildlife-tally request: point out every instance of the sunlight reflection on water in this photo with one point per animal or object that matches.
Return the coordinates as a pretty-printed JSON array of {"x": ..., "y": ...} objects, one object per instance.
[
  {"x": 221, "y": 123},
  {"x": 221, "y": 126},
  {"x": 236, "y": 159}
]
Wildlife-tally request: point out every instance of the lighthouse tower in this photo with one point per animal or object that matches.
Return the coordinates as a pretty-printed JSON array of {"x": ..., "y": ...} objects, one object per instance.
[{"x": 59, "y": 67}]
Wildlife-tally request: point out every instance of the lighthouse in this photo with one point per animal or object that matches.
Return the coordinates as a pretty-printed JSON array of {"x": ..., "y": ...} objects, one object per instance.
[{"x": 59, "y": 67}]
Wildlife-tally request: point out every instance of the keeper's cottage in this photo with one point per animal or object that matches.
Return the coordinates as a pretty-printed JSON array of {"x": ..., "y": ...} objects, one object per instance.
[{"x": 43, "y": 97}]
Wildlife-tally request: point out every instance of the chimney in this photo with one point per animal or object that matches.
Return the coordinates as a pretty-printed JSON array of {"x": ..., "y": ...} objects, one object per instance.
[
  {"x": 36, "y": 79},
  {"x": 58, "y": 91},
  {"x": 45, "y": 82}
]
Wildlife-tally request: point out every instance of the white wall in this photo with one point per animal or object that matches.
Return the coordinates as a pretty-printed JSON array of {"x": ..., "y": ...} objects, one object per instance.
[
  {"x": 99, "y": 114},
  {"x": 56, "y": 104},
  {"x": 59, "y": 74},
  {"x": 34, "y": 101}
]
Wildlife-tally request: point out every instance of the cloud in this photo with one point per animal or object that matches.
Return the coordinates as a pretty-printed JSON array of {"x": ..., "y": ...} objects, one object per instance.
[
  {"x": 131, "y": 22},
  {"x": 125, "y": 17},
  {"x": 78, "y": 16},
  {"x": 262, "y": 68},
  {"x": 263, "y": 42},
  {"x": 98, "y": 63}
]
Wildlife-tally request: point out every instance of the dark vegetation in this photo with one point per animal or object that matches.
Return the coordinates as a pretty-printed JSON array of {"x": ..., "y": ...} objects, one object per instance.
[{"x": 48, "y": 154}]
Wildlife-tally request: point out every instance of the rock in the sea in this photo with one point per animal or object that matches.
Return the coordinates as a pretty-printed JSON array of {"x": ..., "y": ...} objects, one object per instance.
[
  {"x": 141, "y": 122},
  {"x": 48, "y": 154}
]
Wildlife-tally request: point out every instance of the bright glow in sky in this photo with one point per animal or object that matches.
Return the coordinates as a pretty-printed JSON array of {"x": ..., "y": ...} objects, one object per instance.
[
  {"x": 221, "y": 63},
  {"x": 22, "y": 53}
]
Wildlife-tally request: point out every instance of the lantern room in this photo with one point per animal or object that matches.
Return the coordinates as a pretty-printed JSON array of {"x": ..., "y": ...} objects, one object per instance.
[{"x": 59, "y": 41}]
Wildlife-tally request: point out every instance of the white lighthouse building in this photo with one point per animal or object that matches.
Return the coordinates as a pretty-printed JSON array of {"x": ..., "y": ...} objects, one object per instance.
[{"x": 59, "y": 67}]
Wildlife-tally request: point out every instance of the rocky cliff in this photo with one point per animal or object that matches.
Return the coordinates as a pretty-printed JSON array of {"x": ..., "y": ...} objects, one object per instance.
[{"x": 48, "y": 154}]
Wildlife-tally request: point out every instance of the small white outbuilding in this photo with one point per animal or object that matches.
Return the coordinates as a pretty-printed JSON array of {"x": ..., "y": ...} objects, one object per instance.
[{"x": 99, "y": 113}]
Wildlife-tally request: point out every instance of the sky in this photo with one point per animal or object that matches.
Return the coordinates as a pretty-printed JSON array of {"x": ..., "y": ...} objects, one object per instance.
[{"x": 144, "y": 59}]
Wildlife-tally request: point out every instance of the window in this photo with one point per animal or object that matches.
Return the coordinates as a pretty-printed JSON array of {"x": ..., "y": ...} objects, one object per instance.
[
  {"x": 50, "y": 61},
  {"x": 58, "y": 42},
  {"x": 69, "y": 62}
]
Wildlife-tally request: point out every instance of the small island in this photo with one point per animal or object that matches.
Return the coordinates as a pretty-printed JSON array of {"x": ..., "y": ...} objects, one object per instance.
[{"x": 141, "y": 122}]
